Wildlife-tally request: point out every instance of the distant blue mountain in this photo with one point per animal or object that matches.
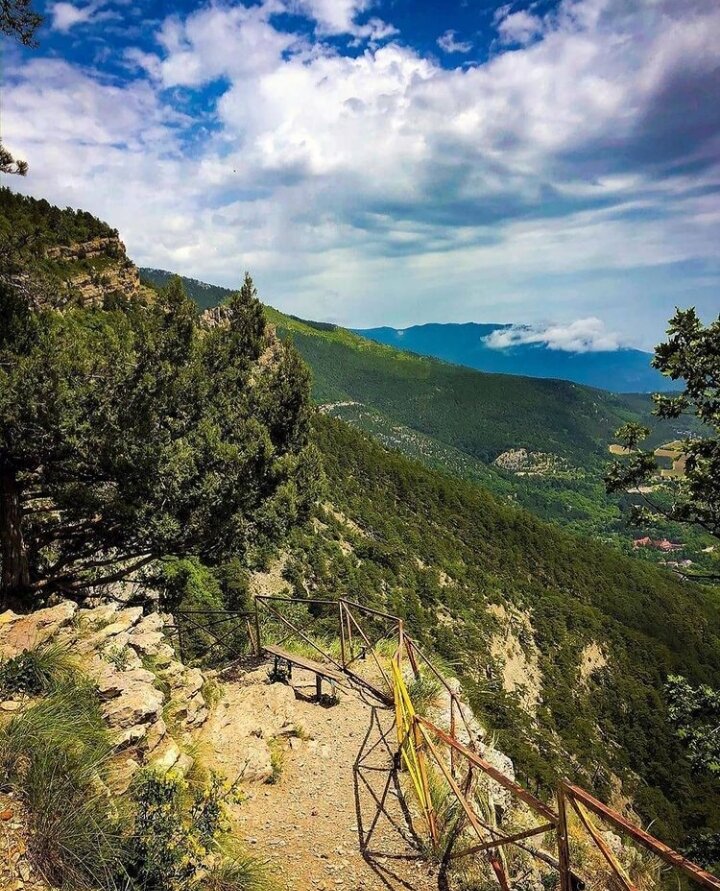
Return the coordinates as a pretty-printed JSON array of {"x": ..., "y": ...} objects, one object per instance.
[{"x": 621, "y": 371}]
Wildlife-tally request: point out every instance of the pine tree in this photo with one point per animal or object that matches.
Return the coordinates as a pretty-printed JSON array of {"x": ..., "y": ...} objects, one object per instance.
[{"x": 134, "y": 432}]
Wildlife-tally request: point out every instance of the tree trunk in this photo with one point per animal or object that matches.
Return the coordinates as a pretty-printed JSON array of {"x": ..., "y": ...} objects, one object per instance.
[{"x": 15, "y": 568}]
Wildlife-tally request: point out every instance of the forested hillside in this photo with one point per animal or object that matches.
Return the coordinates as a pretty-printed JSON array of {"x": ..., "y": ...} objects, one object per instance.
[
  {"x": 467, "y": 571},
  {"x": 564, "y": 645},
  {"x": 459, "y": 420}
]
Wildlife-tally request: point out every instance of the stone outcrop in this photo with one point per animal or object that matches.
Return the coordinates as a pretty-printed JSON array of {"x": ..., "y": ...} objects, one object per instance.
[
  {"x": 240, "y": 732},
  {"x": 87, "y": 273},
  {"x": 128, "y": 656}
]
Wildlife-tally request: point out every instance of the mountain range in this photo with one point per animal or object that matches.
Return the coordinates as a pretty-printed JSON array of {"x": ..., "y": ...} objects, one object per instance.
[
  {"x": 474, "y": 424},
  {"x": 479, "y": 346}
]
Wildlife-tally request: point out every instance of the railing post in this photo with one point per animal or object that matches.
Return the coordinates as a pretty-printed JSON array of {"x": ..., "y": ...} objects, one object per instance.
[
  {"x": 566, "y": 883},
  {"x": 180, "y": 640},
  {"x": 342, "y": 633},
  {"x": 258, "y": 642}
]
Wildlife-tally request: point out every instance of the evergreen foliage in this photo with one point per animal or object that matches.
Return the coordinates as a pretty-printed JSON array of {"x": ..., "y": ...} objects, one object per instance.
[
  {"x": 436, "y": 546},
  {"x": 128, "y": 433},
  {"x": 691, "y": 354}
]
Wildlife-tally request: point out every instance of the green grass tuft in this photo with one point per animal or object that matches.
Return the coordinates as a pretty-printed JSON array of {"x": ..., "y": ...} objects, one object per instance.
[{"x": 37, "y": 671}]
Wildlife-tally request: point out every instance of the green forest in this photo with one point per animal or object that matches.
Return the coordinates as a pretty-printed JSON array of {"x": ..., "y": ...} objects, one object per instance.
[{"x": 156, "y": 426}]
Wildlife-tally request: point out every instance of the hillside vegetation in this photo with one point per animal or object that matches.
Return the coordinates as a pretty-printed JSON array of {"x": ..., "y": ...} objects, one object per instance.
[
  {"x": 564, "y": 645},
  {"x": 461, "y": 421},
  {"x": 467, "y": 571}
]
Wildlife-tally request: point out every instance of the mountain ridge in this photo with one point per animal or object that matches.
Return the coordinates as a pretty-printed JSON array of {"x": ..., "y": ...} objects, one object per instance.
[{"x": 625, "y": 370}]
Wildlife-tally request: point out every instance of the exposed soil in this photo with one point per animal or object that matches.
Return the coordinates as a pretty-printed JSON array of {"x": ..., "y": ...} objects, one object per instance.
[{"x": 333, "y": 818}]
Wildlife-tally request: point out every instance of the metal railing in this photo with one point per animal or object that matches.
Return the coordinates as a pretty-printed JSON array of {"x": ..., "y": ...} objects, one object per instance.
[{"x": 424, "y": 747}]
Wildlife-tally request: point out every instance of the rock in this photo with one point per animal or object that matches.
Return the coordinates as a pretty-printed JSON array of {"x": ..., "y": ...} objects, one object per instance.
[
  {"x": 148, "y": 642},
  {"x": 193, "y": 681},
  {"x": 155, "y": 735},
  {"x": 10, "y": 705},
  {"x": 166, "y": 759},
  {"x": 174, "y": 674},
  {"x": 140, "y": 705},
  {"x": 130, "y": 737},
  {"x": 199, "y": 717},
  {"x": 183, "y": 765},
  {"x": 151, "y": 623},
  {"x": 164, "y": 656},
  {"x": 195, "y": 705},
  {"x": 112, "y": 683},
  {"x": 98, "y": 614},
  {"x": 239, "y": 740},
  {"x": 124, "y": 620},
  {"x": 28, "y": 632}
]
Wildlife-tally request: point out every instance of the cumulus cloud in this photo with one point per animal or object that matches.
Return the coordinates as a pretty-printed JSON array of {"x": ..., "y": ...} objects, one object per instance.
[
  {"x": 519, "y": 27},
  {"x": 65, "y": 15},
  {"x": 339, "y": 17},
  {"x": 581, "y": 336},
  {"x": 449, "y": 43},
  {"x": 381, "y": 179}
]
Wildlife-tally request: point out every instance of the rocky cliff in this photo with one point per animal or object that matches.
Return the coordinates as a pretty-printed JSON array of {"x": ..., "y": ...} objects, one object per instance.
[{"x": 89, "y": 273}]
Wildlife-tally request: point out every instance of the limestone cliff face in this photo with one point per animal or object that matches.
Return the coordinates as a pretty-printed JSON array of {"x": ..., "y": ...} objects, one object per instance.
[{"x": 88, "y": 274}]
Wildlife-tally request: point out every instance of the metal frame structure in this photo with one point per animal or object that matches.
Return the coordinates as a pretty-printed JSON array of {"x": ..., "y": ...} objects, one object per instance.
[{"x": 421, "y": 743}]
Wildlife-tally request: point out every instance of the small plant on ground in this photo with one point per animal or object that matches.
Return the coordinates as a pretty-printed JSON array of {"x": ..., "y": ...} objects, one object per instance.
[
  {"x": 36, "y": 671},
  {"x": 424, "y": 692},
  {"x": 237, "y": 871},
  {"x": 180, "y": 838},
  {"x": 277, "y": 761},
  {"x": 212, "y": 692},
  {"x": 54, "y": 757},
  {"x": 118, "y": 656}
]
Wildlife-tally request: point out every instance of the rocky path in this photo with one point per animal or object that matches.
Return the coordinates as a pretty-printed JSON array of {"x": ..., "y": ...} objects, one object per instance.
[{"x": 330, "y": 817}]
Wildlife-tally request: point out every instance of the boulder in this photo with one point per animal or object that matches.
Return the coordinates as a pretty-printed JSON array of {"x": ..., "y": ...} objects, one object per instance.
[
  {"x": 123, "y": 620},
  {"x": 112, "y": 683},
  {"x": 155, "y": 735},
  {"x": 166, "y": 757},
  {"x": 97, "y": 615},
  {"x": 139, "y": 705},
  {"x": 146, "y": 642},
  {"x": 27, "y": 632},
  {"x": 130, "y": 737}
]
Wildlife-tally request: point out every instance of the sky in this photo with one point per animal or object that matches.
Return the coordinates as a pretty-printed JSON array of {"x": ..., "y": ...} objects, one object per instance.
[{"x": 552, "y": 164}]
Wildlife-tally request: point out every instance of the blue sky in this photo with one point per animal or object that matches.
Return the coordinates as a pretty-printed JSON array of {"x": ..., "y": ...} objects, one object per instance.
[{"x": 397, "y": 161}]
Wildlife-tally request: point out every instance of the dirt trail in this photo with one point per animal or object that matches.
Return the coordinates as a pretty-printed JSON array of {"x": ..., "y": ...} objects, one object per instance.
[{"x": 333, "y": 818}]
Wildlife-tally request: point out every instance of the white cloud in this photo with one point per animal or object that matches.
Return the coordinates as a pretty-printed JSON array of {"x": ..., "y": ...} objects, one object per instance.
[
  {"x": 581, "y": 336},
  {"x": 373, "y": 188},
  {"x": 66, "y": 15},
  {"x": 519, "y": 27},
  {"x": 449, "y": 43},
  {"x": 339, "y": 17}
]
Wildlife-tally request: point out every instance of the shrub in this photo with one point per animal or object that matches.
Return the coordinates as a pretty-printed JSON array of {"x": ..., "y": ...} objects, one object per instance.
[
  {"x": 424, "y": 691},
  {"x": 277, "y": 759},
  {"x": 54, "y": 757},
  {"x": 180, "y": 841},
  {"x": 37, "y": 671},
  {"x": 236, "y": 871}
]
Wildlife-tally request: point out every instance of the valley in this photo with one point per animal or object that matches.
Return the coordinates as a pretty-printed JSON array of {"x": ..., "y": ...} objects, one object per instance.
[{"x": 462, "y": 421}]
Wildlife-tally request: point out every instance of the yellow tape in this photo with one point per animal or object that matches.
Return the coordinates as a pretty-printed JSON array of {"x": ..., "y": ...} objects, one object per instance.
[{"x": 404, "y": 714}]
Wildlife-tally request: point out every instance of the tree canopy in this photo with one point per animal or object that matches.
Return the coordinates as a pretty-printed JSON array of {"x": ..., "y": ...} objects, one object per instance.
[
  {"x": 690, "y": 354},
  {"x": 130, "y": 432}
]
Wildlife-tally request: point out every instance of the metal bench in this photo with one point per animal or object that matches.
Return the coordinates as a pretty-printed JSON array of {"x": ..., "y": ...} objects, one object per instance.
[{"x": 319, "y": 670}]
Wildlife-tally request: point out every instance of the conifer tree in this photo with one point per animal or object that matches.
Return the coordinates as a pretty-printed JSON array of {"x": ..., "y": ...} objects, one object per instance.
[{"x": 130, "y": 432}]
